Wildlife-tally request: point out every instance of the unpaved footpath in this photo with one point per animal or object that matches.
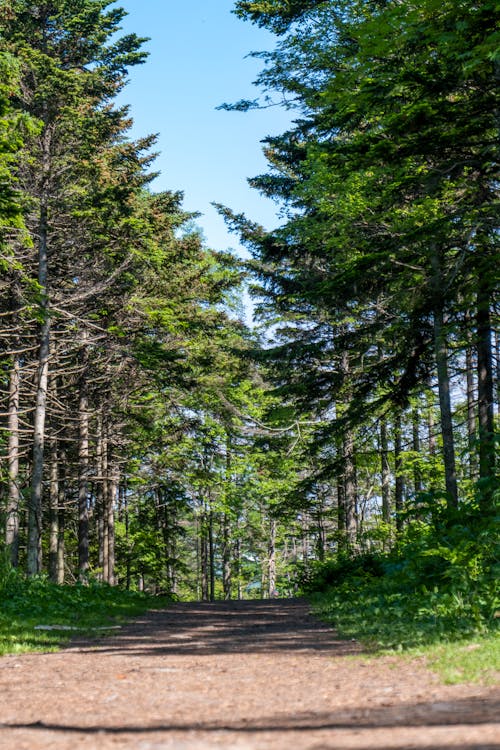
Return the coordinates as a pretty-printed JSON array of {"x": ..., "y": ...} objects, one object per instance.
[{"x": 239, "y": 675}]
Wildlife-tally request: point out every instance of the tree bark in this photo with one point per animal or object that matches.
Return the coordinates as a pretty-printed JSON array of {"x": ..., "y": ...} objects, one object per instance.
[
  {"x": 441, "y": 353},
  {"x": 12, "y": 520},
  {"x": 113, "y": 485},
  {"x": 83, "y": 468},
  {"x": 53, "y": 512},
  {"x": 34, "y": 551},
  {"x": 211, "y": 551},
  {"x": 347, "y": 484},
  {"x": 271, "y": 559},
  {"x": 398, "y": 478},
  {"x": 100, "y": 490},
  {"x": 471, "y": 406},
  {"x": 417, "y": 478},
  {"x": 204, "y": 555},
  {"x": 226, "y": 557},
  {"x": 385, "y": 473},
  {"x": 485, "y": 397},
  {"x": 61, "y": 551},
  {"x": 351, "y": 490},
  {"x": 443, "y": 378}
]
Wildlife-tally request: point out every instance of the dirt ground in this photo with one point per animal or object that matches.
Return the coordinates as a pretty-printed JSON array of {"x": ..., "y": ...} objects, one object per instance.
[{"x": 239, "y": 675}]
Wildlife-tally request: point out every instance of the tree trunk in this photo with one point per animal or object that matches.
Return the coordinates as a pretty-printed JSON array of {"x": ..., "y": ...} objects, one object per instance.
[
  {"x": 417, "y": 478},
  {"x": 12, "y": 520},
  {"x": 99, "y": 498},
  {"x": 83, "y": 468},
  {"x": 53, "y": 512},
  {"x": 34, "y": 547},
  {"x": 351, "y": 490},
  {"x": 237, "y": 554},
  {"x": 385, "y": 473},
  {"x": 61, "y": 552},
  {"x": 226, "y": 556},
  {"x": 321, "y": 531},
  {"x": 110, "y": 522},
  {"x": 348, "y": 514},
  {"x": 211, "y": 550},
  {"x": 204, "y": 556},
  {"x": 471, "y": 408},
  {"x": 485, "y": 399},
  {"x": 271, "y": 559},
  {"x": 443, "y": 377},
  {"x": 398, "y": 478},
  {"x": 441, "y": 353},
  {"x": 104, "y": 552}
]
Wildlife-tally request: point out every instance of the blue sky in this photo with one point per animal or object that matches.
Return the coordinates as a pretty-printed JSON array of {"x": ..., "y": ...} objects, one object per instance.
[{"x": 197, "y": 61}]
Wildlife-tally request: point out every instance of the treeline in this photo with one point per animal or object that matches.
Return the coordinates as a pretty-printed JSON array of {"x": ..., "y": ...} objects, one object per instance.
[
  {"x": 129, "y": 402},
  {"x": 382, "y": 283},
  {"x": 148, "y": 438},
  {"x": 110, "y": 305}
]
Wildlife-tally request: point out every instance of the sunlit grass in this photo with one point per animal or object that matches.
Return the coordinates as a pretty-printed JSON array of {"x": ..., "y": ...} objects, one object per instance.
[
  {"x": 88, "y": 610},
  {"x": 476, "y": 660},
  {"x": 446, "y": 630}
]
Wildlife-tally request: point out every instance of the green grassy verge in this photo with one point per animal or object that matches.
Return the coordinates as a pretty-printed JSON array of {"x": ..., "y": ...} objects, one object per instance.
[
  {"x": 26, "y": 604},
  {"x": 456, "y": 632},
  {"x": 474, "y": 660}
]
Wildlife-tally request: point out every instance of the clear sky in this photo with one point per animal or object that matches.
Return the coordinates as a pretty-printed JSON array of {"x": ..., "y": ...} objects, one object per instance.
[{"x": 198, "y": 60}]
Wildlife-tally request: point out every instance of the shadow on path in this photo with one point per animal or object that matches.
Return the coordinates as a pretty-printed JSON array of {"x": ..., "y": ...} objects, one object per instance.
[
  {"x": 195, "y": 628},
  {"x": 468, "y": 712}
]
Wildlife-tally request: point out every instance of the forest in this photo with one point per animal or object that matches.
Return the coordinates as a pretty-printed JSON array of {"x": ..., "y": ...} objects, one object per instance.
[{"x": 150, "y": 439}]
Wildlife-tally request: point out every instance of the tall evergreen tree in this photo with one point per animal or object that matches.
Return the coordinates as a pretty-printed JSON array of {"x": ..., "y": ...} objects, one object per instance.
[{"x": 388, "y": 175}]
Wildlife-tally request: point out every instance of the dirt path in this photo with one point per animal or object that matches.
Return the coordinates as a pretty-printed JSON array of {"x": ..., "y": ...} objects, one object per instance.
[{"x": 249, "y": 675}]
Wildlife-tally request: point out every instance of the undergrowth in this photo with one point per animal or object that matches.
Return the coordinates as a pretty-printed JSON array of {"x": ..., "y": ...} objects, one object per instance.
[
  {"x": 437, "y": 589},
  {"x": 26, "y": 604}
]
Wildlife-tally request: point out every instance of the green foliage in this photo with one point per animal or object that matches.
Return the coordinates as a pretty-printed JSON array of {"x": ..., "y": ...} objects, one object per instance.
[
  {"x": 385, "y": 228},
  {"x": 25, "y": 604},
  {"x": 436, "y": 585}
]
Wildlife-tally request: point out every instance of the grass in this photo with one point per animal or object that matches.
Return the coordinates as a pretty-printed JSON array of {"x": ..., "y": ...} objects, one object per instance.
[
  {"x": 458, "y": 648},
  {"x": 26, "y": 604},
  {"x": 475, "y": 660}
]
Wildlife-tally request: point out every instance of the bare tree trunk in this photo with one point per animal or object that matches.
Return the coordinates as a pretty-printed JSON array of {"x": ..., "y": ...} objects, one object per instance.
[
  {"x": 471, "y": 408},
  {"x": 351, "y": 490},
  {"x": 443, "y": 378},
  {"x": 34, "y": 546},
  {"x": 431, "y": 430},
  {"x": 226, "y": 556},
  {"x": 271, "y": 558},
  {"x": 110, "y": 523},
  {"x": 211, "y": 549},
  {"x": 385, "y": 473},
  {"x": 204, "y": 555},
  {"x": 398, "y": 480},
  {"x": 237, "y": 554},
  {"x": 53, "y": 511},
  {"x": 321, "y": 539},
  {"x": 417, "y": 478},
  {"x": 126, "y": 519},
  {"x": 83, "y": 468},
  {"x": 347, "y": 487},
  {"x": 104, "y": 554},
  {"x": 441, "y": 353},
  {"x": 485, "y": 398},
  {"x": 99, "y": 499},
  {"x": 12, "y": 520},
  {"x": 61, "y": 551}
]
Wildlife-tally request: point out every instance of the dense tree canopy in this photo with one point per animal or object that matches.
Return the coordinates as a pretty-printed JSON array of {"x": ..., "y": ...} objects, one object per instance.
[{"x": 148, "y": 437}]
